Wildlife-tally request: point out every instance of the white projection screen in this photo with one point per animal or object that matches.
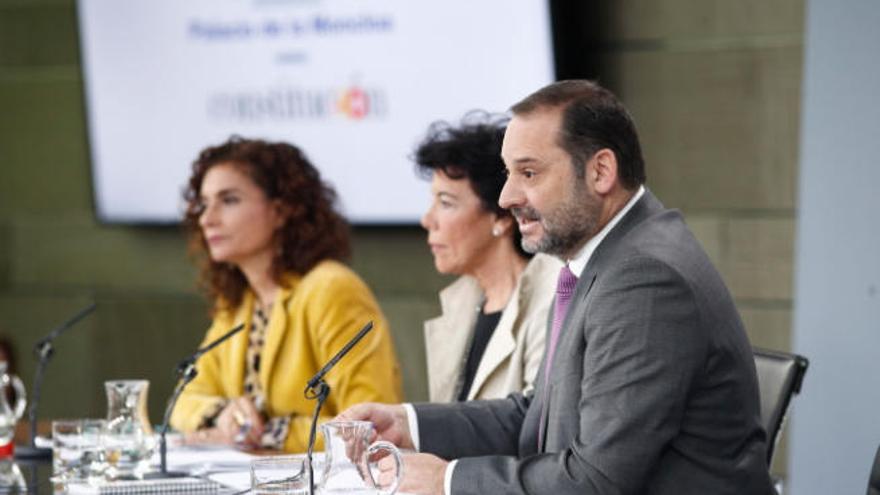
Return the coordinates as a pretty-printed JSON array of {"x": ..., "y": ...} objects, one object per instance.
[{"x": 354, "y": 83}]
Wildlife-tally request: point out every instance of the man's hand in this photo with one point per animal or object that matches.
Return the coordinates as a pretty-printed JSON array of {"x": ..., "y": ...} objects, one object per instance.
[
  {"x": 422, "y": 473},
  {"x": 390, "y": 421}
]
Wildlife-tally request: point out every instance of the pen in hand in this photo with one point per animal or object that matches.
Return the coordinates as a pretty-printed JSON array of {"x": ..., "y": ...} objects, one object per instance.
[{"x": 244, "y": 428}]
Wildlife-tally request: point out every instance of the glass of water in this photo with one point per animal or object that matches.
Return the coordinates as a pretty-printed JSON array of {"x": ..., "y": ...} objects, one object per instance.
[
  {"x": 285, "y": 474},
  {"x": 93, "y": 460},
  {"x": 78, "y": 450},
  {"x": 65, "y": 448}
]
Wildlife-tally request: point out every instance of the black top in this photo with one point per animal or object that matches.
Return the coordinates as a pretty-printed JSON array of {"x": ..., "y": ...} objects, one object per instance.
[{"x": 483, "y": 329}]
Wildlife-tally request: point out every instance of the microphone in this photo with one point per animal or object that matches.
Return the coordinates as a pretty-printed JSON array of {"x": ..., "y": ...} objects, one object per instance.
[
  {"x": 43, "y": 347},
  {"x": 335, "y": 359},
  {"x": 186, "y": 372},
  {"x": 186, "y": 363},
  {"x": 317, "y": 388},
  {"x": 43, "y": 350}
]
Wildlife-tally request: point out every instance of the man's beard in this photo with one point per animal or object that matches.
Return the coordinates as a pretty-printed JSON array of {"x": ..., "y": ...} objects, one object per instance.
[{"x": 567, "y": 227}]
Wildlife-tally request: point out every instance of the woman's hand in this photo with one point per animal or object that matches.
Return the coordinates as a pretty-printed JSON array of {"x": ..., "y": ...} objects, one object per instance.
[{"x": 239, "y": 424}]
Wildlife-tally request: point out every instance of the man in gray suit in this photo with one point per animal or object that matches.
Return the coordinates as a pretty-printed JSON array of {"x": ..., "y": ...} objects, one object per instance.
[{"x": 648, "y": 382}]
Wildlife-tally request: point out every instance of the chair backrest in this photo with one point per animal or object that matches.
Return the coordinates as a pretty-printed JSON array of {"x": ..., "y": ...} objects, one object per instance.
[
  {"x": 780, "y": 376},
  {"x": 874, "y": 479}
]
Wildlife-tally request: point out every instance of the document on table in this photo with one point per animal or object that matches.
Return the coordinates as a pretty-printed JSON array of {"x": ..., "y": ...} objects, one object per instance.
[
  {"x": 169, "y": 485},
  {"x": 239, "y": 480},
  {"x": 201, "y": 460}
]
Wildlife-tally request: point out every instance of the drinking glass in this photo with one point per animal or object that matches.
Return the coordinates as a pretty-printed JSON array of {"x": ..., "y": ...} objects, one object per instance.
[
  {"x": 78, "y": 450},
  {"x": 280, "y": 475},
  {"x": 93, "y": 461},
  {"x": 65, "y": 448}
]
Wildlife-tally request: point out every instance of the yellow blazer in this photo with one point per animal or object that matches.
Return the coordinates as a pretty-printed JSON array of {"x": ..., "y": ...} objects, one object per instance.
[{"x": 312, "y": 318}]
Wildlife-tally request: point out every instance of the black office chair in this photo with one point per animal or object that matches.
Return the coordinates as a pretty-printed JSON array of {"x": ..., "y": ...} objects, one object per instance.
[
  {"x": 874, "y": 479},
  {"x": 780, "y": 376}
]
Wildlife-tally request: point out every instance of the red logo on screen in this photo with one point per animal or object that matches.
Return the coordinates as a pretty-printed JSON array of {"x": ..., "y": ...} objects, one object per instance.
[{"x": 354, "y": 103}]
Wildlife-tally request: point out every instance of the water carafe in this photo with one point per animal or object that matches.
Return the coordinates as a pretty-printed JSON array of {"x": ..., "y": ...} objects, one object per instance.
[
  {"x": 10, "y": 414},
  {"x": 128, "y": 439},
  {"x": 10, "y": 476},
  {"x": 347, "y": 459}
]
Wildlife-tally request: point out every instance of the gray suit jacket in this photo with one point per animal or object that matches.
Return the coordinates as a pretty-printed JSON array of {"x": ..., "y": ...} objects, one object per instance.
[{"x": 652, "y": 390}]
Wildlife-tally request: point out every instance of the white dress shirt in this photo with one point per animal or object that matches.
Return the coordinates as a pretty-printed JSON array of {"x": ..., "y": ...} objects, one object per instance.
[{"x": 580, "y": 260}]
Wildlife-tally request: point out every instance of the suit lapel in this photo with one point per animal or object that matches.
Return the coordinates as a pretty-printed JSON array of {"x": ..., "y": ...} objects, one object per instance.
[
  {"x": 577, "y": 313},
  {"x": 501, "y": 344},
  {"x": 567, "y": 339},
  {"x": 447, "y": 338},
  {"x": 276, "y": 331},
  {"x": 645, "y": 207},
  {"x": 529, "y": 440},
  {"x": 237, "y": 348}
]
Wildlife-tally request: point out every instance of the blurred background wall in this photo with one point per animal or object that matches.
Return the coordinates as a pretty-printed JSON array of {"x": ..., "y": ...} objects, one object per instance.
[
  {"x": 835, "y": 431},
  {"x": 714, "y": 87}
]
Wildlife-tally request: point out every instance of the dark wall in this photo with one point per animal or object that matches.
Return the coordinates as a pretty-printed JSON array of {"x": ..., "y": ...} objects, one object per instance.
[
  {"x": 714, "y": 87},
  {"x": 55, "y": 257}
]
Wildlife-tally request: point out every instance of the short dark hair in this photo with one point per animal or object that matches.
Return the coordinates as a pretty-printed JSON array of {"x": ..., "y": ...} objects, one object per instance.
[
  {"x": 592, "y": 119},
  {"x": 471, "y": 150},
  {"x": 313, "y": 230}
]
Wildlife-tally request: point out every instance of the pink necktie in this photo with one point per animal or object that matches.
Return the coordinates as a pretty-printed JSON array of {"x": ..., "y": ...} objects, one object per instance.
[{"x": 565, "y": 286}]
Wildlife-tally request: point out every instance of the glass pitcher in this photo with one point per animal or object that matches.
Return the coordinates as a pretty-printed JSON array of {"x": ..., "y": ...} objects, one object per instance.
[
  {"x": 129, "y": 437},
  {"x": 347, "y": 466},
  {"x": 9, "y": 415}
]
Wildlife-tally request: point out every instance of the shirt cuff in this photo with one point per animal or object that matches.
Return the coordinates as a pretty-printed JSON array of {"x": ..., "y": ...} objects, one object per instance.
[
  {"x": 447, "y": 477},
  {"x": 413, "y": 421}
]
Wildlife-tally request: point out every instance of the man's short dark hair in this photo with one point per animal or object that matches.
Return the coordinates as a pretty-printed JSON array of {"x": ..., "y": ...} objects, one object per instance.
[{"x": 592, "y": 119}]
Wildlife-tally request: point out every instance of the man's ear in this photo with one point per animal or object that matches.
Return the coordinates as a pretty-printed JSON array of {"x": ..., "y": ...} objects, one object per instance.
[{"x": 602, "y": 171}]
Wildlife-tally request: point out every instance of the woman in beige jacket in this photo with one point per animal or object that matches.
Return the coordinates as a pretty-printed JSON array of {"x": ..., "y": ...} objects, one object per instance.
[{"x": 490, "y": 338}]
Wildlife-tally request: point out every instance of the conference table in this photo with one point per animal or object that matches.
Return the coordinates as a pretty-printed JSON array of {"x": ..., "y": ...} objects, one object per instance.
[
  {"x": 221, "y": 471},
  {"x": 226, "y": 465},
  {"x": 228, "y": 468}
]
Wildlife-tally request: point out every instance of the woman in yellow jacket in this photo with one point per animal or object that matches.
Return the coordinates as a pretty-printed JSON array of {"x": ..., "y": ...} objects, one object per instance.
[{"x": 271, "y": 244}]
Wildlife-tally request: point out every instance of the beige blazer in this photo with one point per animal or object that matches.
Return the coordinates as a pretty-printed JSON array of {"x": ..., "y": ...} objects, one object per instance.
[{"x": 514, "y": 352}]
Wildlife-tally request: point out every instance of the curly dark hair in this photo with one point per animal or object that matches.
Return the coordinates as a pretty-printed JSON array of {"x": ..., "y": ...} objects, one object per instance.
[
  {"x": 312, "y": 231},
  {"x": 471, "y": 151}
]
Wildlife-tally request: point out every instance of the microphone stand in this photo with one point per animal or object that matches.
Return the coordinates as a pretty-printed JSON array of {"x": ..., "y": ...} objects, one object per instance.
[
  {"x": 320, "y": 392},
  {"x": 317, "y": 389},
  {"x": 186, "y": 372},
  {"x": 188, "y": 375},
  {"x": 44, "y": 350}
]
